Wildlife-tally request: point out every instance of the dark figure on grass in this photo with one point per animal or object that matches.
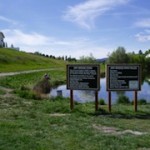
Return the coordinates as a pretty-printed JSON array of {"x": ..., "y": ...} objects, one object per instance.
[{"x": 43, "y": 86}]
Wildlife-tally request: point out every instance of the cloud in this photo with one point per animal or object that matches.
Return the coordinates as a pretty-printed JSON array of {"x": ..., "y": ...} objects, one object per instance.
[
  {"x": 84, "y": 14},
  {"x": 143, "y": 36},
  {"x": 30, "y": 39},
  {"x": 144, "y": 23},
  {"x": 31, "y": 42},
  {"x": 8, "y": 20}
]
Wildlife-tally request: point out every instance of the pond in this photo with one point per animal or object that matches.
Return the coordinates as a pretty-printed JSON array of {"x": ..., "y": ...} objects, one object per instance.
[{"x": 83, "y": 96}]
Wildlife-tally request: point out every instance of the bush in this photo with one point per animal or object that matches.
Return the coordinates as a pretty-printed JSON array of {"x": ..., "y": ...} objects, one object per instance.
[
  {"x": 142, "y": 102},
  {"x": 123, "y": 100},
  {"x": 102, "y": 102}
]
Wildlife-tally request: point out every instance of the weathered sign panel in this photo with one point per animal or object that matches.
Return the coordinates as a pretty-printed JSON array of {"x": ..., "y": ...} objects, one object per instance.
[
  {"x": 123, "y": 77},
  {"x": 83, "y": 77}
]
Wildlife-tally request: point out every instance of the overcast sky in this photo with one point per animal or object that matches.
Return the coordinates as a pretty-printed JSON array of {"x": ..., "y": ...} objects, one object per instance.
[{"x": 76, "y": 27}]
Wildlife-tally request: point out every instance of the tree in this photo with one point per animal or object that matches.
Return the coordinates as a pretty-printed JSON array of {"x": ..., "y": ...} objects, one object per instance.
[
  {"x": 147, "y": 65},
  {"x": 87, "y": 59},
  {"x": 118, "y": 56},
  {"x": 147, "y": 52},
  {"x": 140, "y": 52}
]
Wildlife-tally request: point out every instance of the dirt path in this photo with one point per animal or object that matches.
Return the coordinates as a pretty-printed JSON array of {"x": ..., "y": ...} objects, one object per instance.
[
  {"x": 116, "y": 131},
  {"x": 23, "y": 72}
]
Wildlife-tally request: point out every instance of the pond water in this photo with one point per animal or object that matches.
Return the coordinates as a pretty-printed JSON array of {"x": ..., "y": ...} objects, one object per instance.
[{"x": 83, "y": 96}]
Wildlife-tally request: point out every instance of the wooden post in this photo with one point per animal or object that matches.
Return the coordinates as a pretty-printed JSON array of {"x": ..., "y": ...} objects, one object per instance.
[
  {"x": 109, "y": 101},
  {"x": 71, "y": 100},
  {"x": 135, "y": 101},
  {"x": 96, "y": 100}
]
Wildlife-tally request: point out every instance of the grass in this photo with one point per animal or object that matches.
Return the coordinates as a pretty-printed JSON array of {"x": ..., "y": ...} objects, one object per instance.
[
  {"x": 49, "y": 124},
  {"x": 2, "y": 92},
  {"x": 13, "y": 60},
  {"x": 30, "y": 79}
]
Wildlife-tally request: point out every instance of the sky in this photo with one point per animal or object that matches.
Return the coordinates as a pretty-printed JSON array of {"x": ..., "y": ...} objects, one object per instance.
[{"x": 76, "y": 28}]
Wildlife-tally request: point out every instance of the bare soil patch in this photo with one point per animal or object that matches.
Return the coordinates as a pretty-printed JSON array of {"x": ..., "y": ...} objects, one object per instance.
[
  {"x": 8, "y": 92},
  {"x": 116, "y": 131},
  {"x": 58, "y": 115}
]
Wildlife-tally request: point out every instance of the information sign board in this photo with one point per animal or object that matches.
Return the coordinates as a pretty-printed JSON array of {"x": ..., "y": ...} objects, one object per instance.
[
  {"x": 83, "y": 77},
  {"x": 123, "y": 77}
]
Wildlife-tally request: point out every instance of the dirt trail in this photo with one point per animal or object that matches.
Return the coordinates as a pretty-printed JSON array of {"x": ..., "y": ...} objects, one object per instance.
[
  {"x": 23, "y": 72},
  {"x": 116, "y": 131}
]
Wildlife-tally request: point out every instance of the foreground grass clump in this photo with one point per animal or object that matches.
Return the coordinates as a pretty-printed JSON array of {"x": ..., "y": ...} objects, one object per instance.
[
  {"x": 2, "y": 92},
  {"x": 26, "y": 93},
  {"x": 50, "y": 124}
]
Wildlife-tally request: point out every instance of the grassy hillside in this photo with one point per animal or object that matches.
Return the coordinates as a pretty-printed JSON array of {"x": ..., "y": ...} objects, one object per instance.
[{"x": 13, "y": 60}]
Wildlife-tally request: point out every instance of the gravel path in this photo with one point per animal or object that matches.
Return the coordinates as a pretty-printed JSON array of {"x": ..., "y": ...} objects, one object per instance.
[{"x": 23, "y": 72}]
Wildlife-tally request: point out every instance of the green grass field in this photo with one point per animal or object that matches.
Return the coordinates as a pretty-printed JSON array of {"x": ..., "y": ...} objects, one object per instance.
[
  {"x": 13, "y": 60},
  {"x": 49, "y": 124}
]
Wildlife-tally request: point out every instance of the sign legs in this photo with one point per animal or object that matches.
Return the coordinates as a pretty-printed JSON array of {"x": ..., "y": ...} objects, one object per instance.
[
  {"x": 109, "y": 101},
  {"x": 96, "y": 100},
  {"x": 135, "y": 101},
  {"x": 71, "y": 100}
]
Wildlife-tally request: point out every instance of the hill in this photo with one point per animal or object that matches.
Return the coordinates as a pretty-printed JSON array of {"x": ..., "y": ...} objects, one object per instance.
[{"x": 13, "y": 60}]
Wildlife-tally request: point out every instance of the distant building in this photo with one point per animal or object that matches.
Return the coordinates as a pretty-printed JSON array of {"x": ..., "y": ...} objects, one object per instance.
[{"x": 2, "y": 43}]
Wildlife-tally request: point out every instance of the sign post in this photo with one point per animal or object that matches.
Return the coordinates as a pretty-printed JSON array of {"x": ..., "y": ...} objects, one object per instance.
[
  {"x": 71, "y": 100},
  {"x": 135, "y": 101},
  {"x": 83, "y": 77},
  {"x": 96, "y": 100},
  {"x": 109, "y": 101},
  {"x": 126, "y": 77}
]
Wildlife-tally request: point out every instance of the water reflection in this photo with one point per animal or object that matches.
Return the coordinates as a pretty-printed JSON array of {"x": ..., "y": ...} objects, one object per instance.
[{"x": 89, "y": 96}]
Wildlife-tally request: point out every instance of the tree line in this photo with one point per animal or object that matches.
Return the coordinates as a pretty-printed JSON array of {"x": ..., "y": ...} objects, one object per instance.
[
  {"x": 120, "y": 56},
  {"x": 65, "y": 58}
]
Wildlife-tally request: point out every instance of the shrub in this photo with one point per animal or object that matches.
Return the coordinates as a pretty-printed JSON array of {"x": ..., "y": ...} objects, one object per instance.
[
  {"x": 102, "y": 102},
  {"x": 142, "y": 102},
  {"x": 123, "y": 100}
]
